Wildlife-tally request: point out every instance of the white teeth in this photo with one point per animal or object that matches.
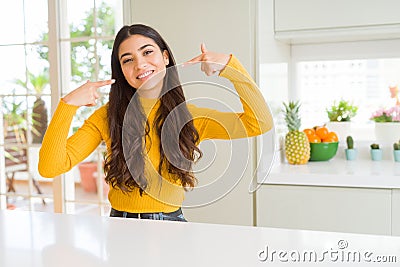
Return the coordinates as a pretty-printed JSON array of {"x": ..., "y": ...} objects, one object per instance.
[{"x": 147, "y": 73}]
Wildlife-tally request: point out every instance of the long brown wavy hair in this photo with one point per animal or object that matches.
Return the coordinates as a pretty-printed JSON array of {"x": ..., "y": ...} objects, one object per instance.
[{"x": 124, "y": 165}]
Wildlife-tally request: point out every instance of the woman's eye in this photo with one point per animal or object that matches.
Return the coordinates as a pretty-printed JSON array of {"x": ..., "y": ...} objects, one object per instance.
[
  {"x": 147, "y": 52},
  {"x": 126, "y": 60}
]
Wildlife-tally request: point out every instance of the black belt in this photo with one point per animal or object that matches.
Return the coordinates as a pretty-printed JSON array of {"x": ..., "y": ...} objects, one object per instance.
[{"x": 171, "y": 216}]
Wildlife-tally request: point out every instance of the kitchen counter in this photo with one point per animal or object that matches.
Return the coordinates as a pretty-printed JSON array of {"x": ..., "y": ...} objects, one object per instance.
[
  {"x": 45, "y": 239},
  {"x": 338, "y": 172}
]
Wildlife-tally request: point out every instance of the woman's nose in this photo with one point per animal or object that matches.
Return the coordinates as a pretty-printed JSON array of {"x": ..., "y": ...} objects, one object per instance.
[{"x": 141, "y": 63}]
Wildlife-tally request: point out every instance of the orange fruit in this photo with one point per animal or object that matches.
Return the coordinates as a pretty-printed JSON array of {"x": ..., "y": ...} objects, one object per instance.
[
  {"x": 314, "y": 138},
  {"x": 322, "y": 132},
  {"x": 331, "y": 137},
  {"x": 309, "y": 131}
]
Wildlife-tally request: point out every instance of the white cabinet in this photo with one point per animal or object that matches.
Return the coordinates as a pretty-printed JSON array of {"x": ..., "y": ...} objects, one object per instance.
[
  {"x": 299, "y": 20},
  {"x": 396, "y": 212},
  {"x": 293, "y": 15},
  {"x": 359, "y": 196},
  {"x": 337, "y": 209}
]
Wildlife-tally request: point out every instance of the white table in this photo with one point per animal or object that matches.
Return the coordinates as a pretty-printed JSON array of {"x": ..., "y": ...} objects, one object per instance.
[{"x": 44, "y": 239}]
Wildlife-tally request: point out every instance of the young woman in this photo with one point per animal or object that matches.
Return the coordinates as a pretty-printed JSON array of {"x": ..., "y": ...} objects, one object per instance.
[{"x": 151, "y": 134}]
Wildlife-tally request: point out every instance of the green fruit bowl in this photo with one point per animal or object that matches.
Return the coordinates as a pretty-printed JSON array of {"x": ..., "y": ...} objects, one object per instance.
[{"x": 323, "y": 151}]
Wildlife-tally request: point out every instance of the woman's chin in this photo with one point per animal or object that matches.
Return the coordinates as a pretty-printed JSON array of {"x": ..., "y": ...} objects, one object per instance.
[
  {"x": 150, "y": 91},
  {"x": 153, "y": 84}
]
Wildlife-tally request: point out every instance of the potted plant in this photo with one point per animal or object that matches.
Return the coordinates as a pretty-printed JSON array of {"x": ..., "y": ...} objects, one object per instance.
[
  {"x": 37, "y": 84},
  {"x": 88, "y": 169},
  {"x": 341, "y": 112},
  {"x": 387, "y": 123},
  {"x": 351, "y": 152},
  {"x": 396, "y": 151},
  {"x": 88, "y": 175},
  {"x": 340, "y": 115},
  {"x": 15, "y": 132},
  {"x": 91, "y": 174},
  {"x": 14, "y": 116},
  {"x": 376, "y": 152}
]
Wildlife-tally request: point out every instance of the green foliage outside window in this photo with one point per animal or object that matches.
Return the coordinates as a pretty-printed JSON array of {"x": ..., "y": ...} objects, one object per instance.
[{"x": 83, "y": 67}]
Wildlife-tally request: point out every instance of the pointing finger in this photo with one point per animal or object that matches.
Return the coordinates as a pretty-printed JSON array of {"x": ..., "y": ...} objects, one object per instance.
[
  {"x": 194, "y": 60},
  {"x": 203, "y": 48},
  {"x": 103, "y": 83}
]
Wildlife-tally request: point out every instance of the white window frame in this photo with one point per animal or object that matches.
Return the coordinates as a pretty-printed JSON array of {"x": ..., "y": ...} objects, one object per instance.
[
  {"x": 59, "y": 80},
  {"x": 3, "y": 179}
]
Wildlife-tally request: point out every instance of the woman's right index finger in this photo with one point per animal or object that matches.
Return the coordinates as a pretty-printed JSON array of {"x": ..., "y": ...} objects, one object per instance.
[{"x": 194, "y": 60}]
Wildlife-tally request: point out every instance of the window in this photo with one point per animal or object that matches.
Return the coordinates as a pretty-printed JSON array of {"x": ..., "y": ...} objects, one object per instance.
[
  {"x": 25, "y": 105},
  {"x": 86, "y": 43},
  {"x": 86, "y": 30},
  {"x": 358, "y": 72},
  {"x": 365, "y": 83}
]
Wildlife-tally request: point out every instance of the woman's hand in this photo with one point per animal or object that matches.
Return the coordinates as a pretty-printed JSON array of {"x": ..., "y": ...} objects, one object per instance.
[
  {"x": 86, "y": 94},
  {"x": 211, "y": 62}
]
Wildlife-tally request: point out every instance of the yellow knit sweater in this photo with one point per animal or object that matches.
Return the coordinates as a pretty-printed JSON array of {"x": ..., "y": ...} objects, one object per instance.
[{"x": 59, "y": 153}]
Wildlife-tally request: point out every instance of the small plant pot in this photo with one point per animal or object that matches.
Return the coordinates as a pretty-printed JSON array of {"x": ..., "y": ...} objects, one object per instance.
[
  {"x": 396, "y": 155},
  {"x": 351, "y": 154},
  {"x": 376, "y": 154},
  {"x": 88, "y": 172}
]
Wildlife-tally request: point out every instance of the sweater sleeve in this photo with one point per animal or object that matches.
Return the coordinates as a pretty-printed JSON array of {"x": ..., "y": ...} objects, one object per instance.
[
  {"x": 59, "y": 153},
  {"x": 255, "y": 119}
]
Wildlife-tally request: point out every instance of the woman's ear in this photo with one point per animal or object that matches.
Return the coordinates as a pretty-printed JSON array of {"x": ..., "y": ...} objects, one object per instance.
[{"x": 166, "y": 57}]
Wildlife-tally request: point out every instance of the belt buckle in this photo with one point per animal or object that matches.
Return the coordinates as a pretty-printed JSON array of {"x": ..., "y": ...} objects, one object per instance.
[
  {"x": 158, "y": 216},
  {"x": 153, "y": 216}
]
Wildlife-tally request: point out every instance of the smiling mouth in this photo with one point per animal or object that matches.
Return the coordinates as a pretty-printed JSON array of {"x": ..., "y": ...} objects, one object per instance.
[{"x": 144, "y": 75}]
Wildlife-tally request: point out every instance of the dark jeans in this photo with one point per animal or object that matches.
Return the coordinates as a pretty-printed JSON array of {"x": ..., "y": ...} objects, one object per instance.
[{"x": 168, "y": 216}]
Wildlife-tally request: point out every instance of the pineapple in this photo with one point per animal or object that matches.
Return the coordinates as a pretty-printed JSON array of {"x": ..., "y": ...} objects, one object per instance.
[{"x": 297, "y": 146}]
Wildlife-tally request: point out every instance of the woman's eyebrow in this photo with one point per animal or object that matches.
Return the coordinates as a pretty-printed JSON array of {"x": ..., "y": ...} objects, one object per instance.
[
  {"x": 144, "y": 46},
  {"x": 140, "y": 48}
]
